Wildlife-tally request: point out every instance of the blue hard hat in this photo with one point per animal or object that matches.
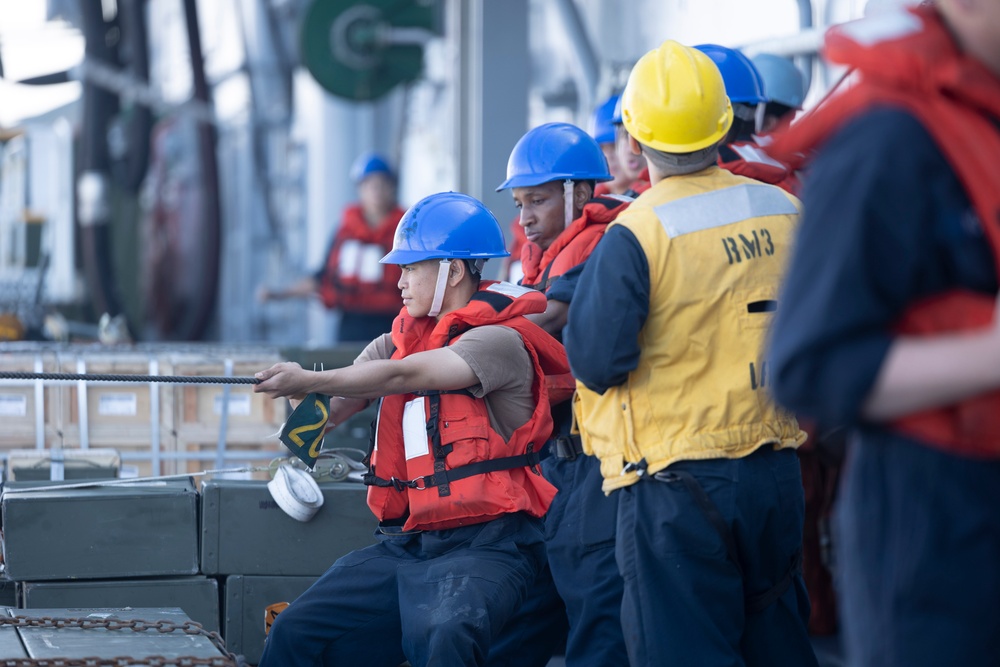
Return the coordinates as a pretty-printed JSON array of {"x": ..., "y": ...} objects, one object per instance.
[
  {"x": 555, "y": 152},
  {"x": 616, "y": 115},
  {"x": 744, "y": 83},
  {"x": 370, "y": 163},
  {"x": 782, "y": 79},
  {"x": 447, "y": 225},
  {"x": 602, "y": 127}
]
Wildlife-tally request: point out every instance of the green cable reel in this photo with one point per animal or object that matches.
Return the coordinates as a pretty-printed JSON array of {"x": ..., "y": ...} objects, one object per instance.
[{"x": 361, "y": 50}]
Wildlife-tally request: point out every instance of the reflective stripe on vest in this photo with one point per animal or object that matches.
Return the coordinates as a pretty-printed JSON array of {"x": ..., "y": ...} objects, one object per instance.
[
  {"x": 752, "y": 153},
  {"x": 722, "y": 207}
]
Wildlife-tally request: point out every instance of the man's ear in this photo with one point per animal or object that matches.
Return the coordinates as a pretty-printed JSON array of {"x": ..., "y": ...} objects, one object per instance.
[
  {"x": 456, "y": 272},
  {"x": 634, "y": 145},
  {"x": 582, "y": 193}
]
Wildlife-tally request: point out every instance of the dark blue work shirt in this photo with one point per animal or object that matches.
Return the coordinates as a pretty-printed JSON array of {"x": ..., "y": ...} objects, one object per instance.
[
  {"x": 563, "y": 287},
  {"x": 885, "y": 223},
  {"x": 602, "y": 334}
]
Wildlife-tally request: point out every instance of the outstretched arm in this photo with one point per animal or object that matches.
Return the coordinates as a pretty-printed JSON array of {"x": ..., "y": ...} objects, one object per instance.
[
  {"x": 440, "y": 369},
  {"x": 304, "y": 287},
  {"x": 921, "y": 373}
]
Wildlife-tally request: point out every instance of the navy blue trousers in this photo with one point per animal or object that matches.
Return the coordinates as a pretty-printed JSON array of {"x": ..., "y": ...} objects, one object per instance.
[
  {"x": 433, "y": 598},
  {"x": 685, "y": 598},
  {"x": 918, "y": 553},
  {"x": 581, "y": 585}
]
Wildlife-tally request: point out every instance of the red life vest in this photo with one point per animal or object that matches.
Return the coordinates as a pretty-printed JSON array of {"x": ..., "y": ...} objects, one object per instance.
[
  {"x": 918, "y": 67},
  {"x": 640, "y": 184},
  {"x": 436, "y": 461},
  {"x": 573, "y": 245},
  {"x": 353, "y": 280},
  {"x": 746, "y": 158},
  {"x": 511, "y": 269}
]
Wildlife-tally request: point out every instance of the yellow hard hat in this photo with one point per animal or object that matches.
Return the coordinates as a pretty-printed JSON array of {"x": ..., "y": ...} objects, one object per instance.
[{"x": 675, "y": 100}]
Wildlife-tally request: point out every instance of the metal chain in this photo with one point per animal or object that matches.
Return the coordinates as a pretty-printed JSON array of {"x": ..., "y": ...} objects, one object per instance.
[
  {"x": 106, "y": 377},
  {"x": 135, "y": 625}
]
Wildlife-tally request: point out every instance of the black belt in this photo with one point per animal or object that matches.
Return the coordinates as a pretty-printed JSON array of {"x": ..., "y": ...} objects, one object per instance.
[{"x": 566, "y": 447}]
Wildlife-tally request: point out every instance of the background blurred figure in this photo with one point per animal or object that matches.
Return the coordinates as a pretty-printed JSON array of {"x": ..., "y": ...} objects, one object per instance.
[
  {"x": 740, "y": 152},
  {"x": 511, "y": 270},
  {"x": 888, "y": 326},
  {"x": 632, "y": 165},
  {"x": 352, "y": 280},
  {"x": 602, "y": 129},
  {"x": 786, "y": 90}
]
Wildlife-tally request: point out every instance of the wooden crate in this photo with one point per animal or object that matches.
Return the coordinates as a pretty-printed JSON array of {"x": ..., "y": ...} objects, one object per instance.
[
  {"x": 199, "y": 408},
  {"x": 115, "y": 414},
  {"x": 28, "y": 407}
]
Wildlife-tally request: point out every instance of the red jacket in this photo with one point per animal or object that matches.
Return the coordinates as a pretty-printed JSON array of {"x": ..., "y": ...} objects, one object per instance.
[
  {"x": 746, "y": 158},
  {"x": 573, "y": 245},
  {"x": 352, "y": 279},
  {"x": 640, "y": 184},
  {"x": 511, "y": 270},
  {"x": 437, "y": 462},
  {"x": 918, "y": 67}
]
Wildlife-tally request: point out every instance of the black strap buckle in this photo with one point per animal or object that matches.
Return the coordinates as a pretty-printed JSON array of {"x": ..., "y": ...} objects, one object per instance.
[{"x": 567, "y": 447}]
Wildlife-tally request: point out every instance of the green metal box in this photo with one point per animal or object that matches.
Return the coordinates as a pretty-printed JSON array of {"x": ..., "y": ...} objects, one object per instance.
[
  {"x": 11, "y": 647},
  {"x": 104, "y": 532},
  {"x": 8, "y": 592},
  {"x": 76, "y": 643},
  {"x": 243, "y": 531},
  {"x": 198, "y": 597},
  {"x": 246, "y": 600}
]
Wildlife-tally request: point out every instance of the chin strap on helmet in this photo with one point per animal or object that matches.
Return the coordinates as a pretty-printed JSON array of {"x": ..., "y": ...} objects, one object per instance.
[
  {"x": 567, "y": 202},
  {"x": 439, "y": 287},
  {"x": 758, "y": 117}
]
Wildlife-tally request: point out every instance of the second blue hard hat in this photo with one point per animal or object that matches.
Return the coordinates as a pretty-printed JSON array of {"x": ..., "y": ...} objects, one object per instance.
[
  {"x": 447, "y": 225},
  {"x": 602, "y": 121},
  {"x": 555, "y": 152},
  {"x": 744, "y": 84}
]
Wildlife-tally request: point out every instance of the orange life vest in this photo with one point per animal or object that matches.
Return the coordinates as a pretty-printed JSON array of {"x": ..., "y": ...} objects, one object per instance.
[
  {"x": 353, "y": 279},
  {"x": 919, "y": 68},
  {"x": 436, "y": 460},
  {"x": 510, "y": 271},
  {"x": 573, "y": 245},
  {"x": 640, "y": 184}
]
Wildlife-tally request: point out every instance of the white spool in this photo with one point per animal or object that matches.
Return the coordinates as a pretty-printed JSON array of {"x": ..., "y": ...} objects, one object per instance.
[{"x": 296, "y": 492}]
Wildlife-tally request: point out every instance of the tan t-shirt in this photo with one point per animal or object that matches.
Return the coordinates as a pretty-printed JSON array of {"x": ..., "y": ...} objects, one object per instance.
[{"x": 497, "y": 356}]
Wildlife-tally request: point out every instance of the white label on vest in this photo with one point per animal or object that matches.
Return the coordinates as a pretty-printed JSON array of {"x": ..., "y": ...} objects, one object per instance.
[
  {"x": 347, "y": 261},
  {"x": 415, "y": 429},
  {"x": 116, "y": 405},
  {"x": 509, "y": 289},
  {"x": 370, "y": 270},
  {"x": 13, "y": 405},
  {"x": 515, "y": 272},
  {"x": 360, "y": 260}
]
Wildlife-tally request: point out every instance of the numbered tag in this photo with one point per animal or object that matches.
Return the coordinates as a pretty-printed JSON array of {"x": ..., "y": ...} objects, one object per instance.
[{"x": 304, "y": 430}]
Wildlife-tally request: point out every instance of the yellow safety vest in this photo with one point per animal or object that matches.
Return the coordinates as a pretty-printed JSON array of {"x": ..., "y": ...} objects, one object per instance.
[{"x": 717, "y": 245}]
